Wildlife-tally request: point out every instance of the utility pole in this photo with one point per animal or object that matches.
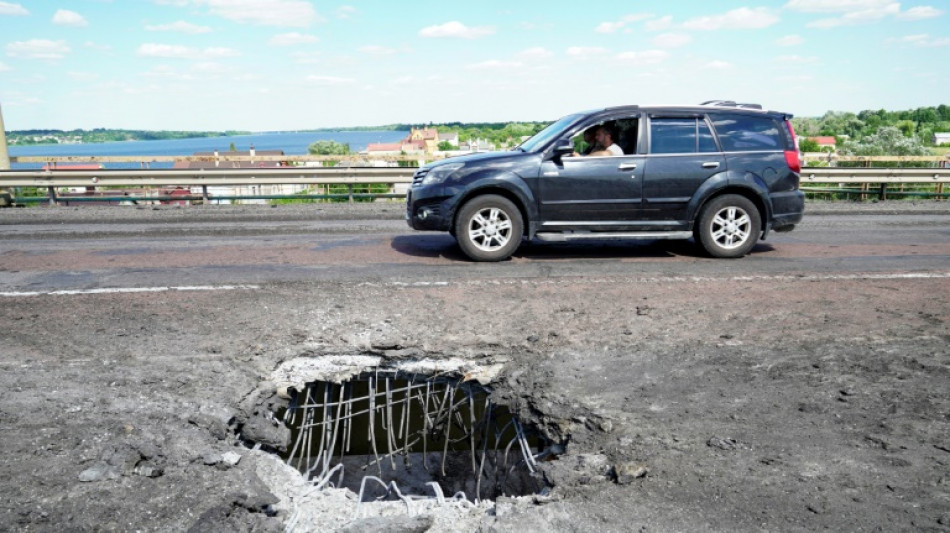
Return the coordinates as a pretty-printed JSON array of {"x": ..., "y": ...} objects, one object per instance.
[
  {"x": 6, "y": 198},
  {"x": 4, "y": 154}
]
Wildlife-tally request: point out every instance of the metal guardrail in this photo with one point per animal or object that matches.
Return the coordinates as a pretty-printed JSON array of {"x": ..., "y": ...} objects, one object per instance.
[
  {"x": 883, "y": 178},
  {"x": 886, "y": 181},
  {"x": 205, "y": 177},
  {"x": 51, "y": 180}
]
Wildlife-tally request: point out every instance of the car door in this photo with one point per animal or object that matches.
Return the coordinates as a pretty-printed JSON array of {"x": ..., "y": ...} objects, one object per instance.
[
  {"x": 595, "y": 191},
  {"x": 682, "y": 154}
]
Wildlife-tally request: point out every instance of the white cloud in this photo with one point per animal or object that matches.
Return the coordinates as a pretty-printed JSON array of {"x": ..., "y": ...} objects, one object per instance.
[
  {"x": 38, "y": 49},
  {"x": 923, "y": 40},
  {"x": 345, "y": 12},
  {"x": 6, "y": 8},
  {"x": 649, "y": 57},
  {"x": 329, "y": 80},
  {"x": 456, "y": 29},
  {"x": 288, "y": 13},
  {"x": 854, "y": 12},
  {"x": 211, "y": 68},
  {"x": 586, "y": 52},
  {"x": 376, "y": 50},
  {"x": 495, "y": 64},
  {"x": 291, "y": 39},
  {"x": 659, "y": 24},
  {"x": 218, "y": 52},
  {"x": 857, "y": 17},
  {"x": 718, "y": 65},
  {"x": 4, "y": 67},
  {"x": 180, "y": 27},
  {"x": 535, "y": 53},
  {"x": 743, "y": 18},
  {"x": 609, "y": 27},
  {"x": 835, "y": 6},
  {"x": 790, "y": 40},
  {"x": 920, "y": 13},
  {"x": 174, "y": 51},
  {"x": 672, "y": 40},
  {"x": 64, "y": 17},
  {"x": 165, "y": 50},
  {"x": 613, "y": 26},
  {"x": 796, "y": 60}
]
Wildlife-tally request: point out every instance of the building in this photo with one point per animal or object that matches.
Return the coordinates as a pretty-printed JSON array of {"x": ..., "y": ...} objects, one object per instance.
[
  {"x": 212, "y": 161},
  {"x": 825, "y": 143},
  {"x": 941, "y": 138},
  {"x": 420, "y": 141},
  {"x": 451, "y": 138}
]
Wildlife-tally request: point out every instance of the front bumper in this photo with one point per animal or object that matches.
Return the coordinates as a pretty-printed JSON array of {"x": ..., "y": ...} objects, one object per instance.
[{"x": 428, "y": 209}]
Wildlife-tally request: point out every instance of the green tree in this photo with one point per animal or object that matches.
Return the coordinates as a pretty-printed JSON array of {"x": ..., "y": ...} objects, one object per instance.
[
  {"x": 445, "y": 146},
  {"x": 329, "y": 148},
  {"x": 907, "y": 127},
  {"x": 808, "y": 145},
  {"x": 888, "y": 140}
]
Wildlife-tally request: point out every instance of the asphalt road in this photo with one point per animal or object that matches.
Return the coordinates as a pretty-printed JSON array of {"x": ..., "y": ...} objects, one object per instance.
[
  {"x": 92, "y": 248},
  {"x": 801, "y": 388}
]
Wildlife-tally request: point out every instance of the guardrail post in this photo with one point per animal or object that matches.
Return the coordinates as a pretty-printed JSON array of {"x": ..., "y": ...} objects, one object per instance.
[
  {"x": 204, "y": 194},
  {"x": 52, "y": 195},
  {"x": 349, "y": 188},
  {"x": 883, "y": 194}
]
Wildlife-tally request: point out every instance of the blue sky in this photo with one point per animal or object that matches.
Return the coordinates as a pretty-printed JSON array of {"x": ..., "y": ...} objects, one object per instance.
[{"x": 264, "y": 65}]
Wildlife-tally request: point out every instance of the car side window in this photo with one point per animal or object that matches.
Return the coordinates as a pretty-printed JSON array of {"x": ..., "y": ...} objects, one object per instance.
[
  {"x": 740, "y": 133},
  {"x": 680, "y": 136},
  {"x": 623, "y": 133}
]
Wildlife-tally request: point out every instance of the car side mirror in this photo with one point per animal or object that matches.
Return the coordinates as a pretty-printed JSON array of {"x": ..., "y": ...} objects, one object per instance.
[{"x": 562, "y": 148}]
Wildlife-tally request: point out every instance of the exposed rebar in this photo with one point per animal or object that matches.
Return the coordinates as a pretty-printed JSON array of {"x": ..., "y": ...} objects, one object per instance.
[{"x": 401, "y": 416}]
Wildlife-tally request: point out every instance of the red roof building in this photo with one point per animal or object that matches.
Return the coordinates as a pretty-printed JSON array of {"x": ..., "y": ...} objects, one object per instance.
[{"x": 825, "y": 141}]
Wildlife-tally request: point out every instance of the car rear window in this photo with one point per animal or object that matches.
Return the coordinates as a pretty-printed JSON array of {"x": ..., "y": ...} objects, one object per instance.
[{"x": 740, "y": 133}]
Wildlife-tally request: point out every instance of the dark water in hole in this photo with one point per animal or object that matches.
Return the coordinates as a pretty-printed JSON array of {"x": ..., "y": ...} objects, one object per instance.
[{"x": 472, "y": 447}]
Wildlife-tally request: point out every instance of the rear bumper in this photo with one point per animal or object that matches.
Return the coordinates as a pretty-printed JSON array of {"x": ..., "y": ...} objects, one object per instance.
[{"x": 787, "y": 209}]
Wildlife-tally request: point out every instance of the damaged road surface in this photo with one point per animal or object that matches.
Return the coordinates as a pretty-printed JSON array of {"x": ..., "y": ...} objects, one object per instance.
[{"x": 668, "y": 392}]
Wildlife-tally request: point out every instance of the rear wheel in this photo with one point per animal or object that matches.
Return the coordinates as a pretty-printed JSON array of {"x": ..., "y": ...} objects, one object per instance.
[
  {"x": 729, "y": 226},
  {"x": 489, "y": 228}
]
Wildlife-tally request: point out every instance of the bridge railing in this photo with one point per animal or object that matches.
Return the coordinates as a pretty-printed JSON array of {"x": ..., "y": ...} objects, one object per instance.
[{"x": 317, "y": 183}]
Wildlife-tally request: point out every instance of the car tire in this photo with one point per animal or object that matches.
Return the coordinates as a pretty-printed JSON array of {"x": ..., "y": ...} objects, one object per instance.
[
  {"x": 489, "y": 228},
  {"x": 728, "y": 226}
]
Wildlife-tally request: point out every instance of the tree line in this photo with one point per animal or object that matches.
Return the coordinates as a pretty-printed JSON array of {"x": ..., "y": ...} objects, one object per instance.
[
  {"x": 878, "y": 132},
  {"x": 100, "y": 135}
]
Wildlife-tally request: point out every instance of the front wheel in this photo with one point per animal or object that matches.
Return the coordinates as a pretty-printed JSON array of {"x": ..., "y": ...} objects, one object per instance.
[
  {"x": 729, "y": 226},
  {"x": 489, "y": 228}
]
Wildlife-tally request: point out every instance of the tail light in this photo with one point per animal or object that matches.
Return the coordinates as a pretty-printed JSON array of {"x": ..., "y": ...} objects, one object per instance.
[{"x": 791, "y": 156}]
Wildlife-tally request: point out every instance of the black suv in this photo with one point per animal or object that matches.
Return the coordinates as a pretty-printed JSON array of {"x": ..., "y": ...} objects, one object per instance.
[{"x": 721, "y": 172}]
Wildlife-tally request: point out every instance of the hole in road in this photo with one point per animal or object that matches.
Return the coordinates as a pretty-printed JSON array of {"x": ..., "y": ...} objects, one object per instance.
[{"x": 420, "y": 434}]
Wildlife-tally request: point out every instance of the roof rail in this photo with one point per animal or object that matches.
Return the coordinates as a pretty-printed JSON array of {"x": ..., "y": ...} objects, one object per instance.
[{"x": 731, "y": 103}]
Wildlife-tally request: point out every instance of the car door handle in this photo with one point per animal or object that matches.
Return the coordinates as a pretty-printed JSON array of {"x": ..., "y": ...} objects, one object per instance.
[
  {"x": 627, "y": 166},
  {"x": 712, "y": 164}
]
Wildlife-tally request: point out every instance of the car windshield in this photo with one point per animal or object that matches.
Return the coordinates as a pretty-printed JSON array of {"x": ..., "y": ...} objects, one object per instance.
[{"x": 545, "y": 136}]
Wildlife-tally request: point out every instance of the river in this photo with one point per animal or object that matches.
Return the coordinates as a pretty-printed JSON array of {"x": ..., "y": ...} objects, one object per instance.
[{"x": 292, "y": 143}]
